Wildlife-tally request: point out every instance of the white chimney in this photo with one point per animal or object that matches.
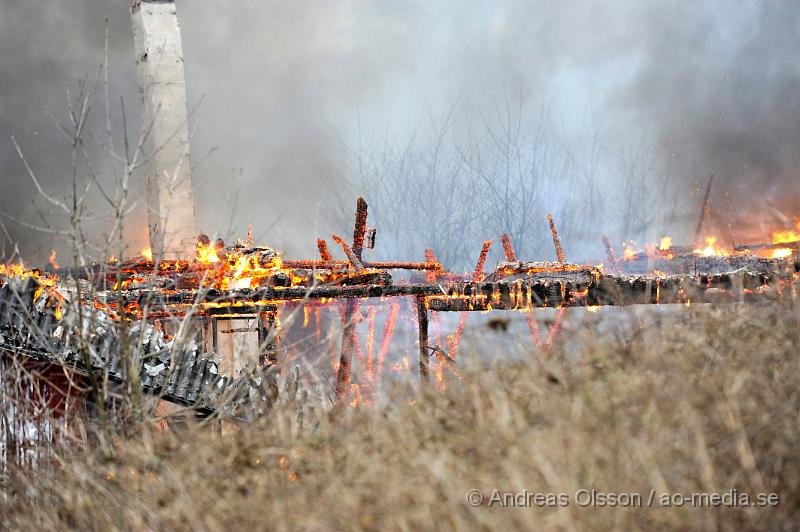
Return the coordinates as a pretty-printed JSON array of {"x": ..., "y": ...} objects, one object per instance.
[{"x": 162, "y": 85}]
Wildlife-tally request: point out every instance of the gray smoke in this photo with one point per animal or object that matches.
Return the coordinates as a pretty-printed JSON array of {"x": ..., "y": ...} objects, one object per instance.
[
  {"x": 720, "y": 87},
  {"x": 701, "y": 87}
]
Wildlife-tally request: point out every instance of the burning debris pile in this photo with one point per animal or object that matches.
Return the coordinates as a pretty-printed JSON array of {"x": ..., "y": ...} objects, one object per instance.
[
  {"x": 49, "y": 323},
  {"x": 707, "y": 255},
  {"x": 174, "y": 311}
]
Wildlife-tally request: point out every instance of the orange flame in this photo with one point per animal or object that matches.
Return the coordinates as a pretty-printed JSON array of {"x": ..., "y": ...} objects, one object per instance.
[
  {"x": 147, "y": 253},
  {"x": 628, "y": 252},
  {"x": 711, "y": 250},
  {"x": 666, "y": 243},
  {"x": 782, "y": 253},
  {"x": 206, "y": 253},
  {"x": 52, "y": 259},
  {"x": 785, "y": 237},
  {"x": 13, "y": 270}
]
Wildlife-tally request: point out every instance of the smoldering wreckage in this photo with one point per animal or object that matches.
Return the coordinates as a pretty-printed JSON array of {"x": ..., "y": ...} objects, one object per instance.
[
  {"x": 165, "y": 321},
  {"x": 72, "y": 317}
]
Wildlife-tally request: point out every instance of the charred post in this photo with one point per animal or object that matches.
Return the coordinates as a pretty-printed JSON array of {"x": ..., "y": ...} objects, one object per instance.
[
  {"x": 422, "y": 320},
  {"x": 556, "y": 241},
  {"x": 351, "y": 256},
  {"x": 508, "y": 249},
  {"x": 360, "y": 227},
  {"x": 431, "y": 260},
  {"x": 705, "y": 212},
  {"x": 348, "y": 342},
  {"x": 477, "y": 276},
  {"x": 478, "y": 273},
  {"x": 324, "y": 254},
  {"x": 612, "y": 257}
]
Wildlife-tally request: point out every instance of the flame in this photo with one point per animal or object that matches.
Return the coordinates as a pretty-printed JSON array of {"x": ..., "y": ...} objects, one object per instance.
[
  {"x": 13, "y": 270},
  {"x": 400, "y": 365},
  {"x": 240, "y": 271},
  {"x": 356, "y": 398},
  {"x": 628, "y": 252},
  {"x": 52, "y": 259},
  {"x": 782, "y": 253},
  {"x": 147, "y": 253},
  {"x": 785, "y": 237},
  {"x": 711, "y": 250},
  {"x": 666, "y": 243},
  {"x": 206, "y": 253}
]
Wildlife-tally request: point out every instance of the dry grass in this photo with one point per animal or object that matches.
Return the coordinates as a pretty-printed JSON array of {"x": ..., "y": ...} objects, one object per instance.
[{"x": 704, "y": 401}]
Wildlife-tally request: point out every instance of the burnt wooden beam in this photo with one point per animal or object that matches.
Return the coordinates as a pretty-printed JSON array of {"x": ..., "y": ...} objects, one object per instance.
[
  {"x": 378, "y": 265},
  {"x": 508, "y": 249},
  {"x": 556, "y": 241},
  {"x": 324, "y": 254},
  {"x": 766, "y": 246},
  {"x": 360, "y": 227},
  {"x": 478, "y": 273},
  {"x": 705, "y": 211},
  {"x": 422, "y": 322},
  {"x": 239, "y": 309},
  {"x": 541, "y": 292},
  {"x": 351, "y": 256},
  {"x": 477, "y": 276},
  {"x": 433, "y": 263},
  {"x": 612, "y": 257},
  {"x": 613, "y": 291},
  {"x": 346, "y": 355}
]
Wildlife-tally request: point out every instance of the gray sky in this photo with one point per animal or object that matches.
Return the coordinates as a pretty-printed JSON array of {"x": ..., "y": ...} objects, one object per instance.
[{"x": 709, "y": 86}]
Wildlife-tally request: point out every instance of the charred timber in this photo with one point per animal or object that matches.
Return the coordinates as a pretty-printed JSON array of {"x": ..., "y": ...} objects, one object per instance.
[
  {"x": 508, "y": 248},
  {"x": 705, "y": 212},
  {"x": 767, "y": 247},
  {"x": 322, "y": 246},
  {"x": 615, "y": 291},
  {"x": 351, "y": 256},
  {"x": 422, "y": 324},
  {"x": 360, "y": 227},
  {"x": 503, "y": 294},
  {"x": 337, "y": 264},
  {"x": 556, "y": 240}
]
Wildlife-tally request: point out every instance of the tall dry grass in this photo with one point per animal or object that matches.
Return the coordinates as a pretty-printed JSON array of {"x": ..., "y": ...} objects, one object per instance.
[{"x": 704, "y": 400}]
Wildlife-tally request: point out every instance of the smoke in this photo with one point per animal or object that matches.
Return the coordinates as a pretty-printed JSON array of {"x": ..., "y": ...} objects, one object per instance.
[
  {"x": 721, "y": 90},
  {"x": 287, "y": 88}
]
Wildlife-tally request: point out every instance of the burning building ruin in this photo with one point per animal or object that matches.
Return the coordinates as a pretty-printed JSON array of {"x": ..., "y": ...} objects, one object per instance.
[
  {"x": 196, "y": 321},
  {"x": 207, "y": 327}
]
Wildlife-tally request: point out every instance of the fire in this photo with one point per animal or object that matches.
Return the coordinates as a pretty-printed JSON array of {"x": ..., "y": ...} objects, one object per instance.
[
  {"x": 243, "y": 271},
  {"x": 711, "y": 250},
  {"x": 785, "y": 237},
  {"x": 782, "y": 253},
  {"x": 628, "y": 252},
  {"x": 12, "y": 270},
  {"x": 18, "y": 269},
  {"x": 147, "y": 253},
  {"x": 206, "y": 253},
  {"x": 666, "y": 243},
  {"x": 402, "y": 365},
  {"x": 52, "y": 259},
  {"x": 356, "y": 398}
]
